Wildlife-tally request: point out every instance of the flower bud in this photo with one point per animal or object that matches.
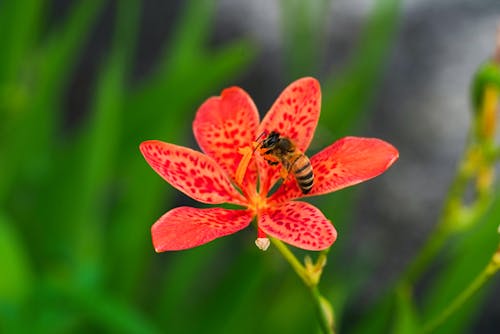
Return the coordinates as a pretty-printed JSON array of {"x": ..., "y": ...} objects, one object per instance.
[{"x": 262, "y": 243}]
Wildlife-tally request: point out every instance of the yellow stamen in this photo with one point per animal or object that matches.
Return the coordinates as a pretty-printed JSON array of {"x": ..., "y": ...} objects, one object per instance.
[{"x": 246, "y": 153}]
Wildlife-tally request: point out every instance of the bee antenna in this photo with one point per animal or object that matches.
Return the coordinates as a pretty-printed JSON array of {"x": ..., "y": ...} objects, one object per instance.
[
  {"x": 259, "y": 142},
  {"x": 262, "y": 134}
]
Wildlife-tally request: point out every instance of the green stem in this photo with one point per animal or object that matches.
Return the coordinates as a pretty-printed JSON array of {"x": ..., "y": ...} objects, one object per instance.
[
  {"x": 294, "y": 262},
  {"x": 451, "y": 218},
  {"x": 473, "y": 287},
  {"x": 323, "y": 308}
]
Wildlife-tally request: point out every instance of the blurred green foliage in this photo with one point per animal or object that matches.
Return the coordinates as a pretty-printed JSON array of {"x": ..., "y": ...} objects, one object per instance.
[{"x": 76, "y": 206}]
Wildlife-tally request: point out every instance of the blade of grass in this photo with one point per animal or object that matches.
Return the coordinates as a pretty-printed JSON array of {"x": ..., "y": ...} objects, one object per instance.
[
  {"x": 100, "y": 142},
  {"x": 469, "y": 257},
  {"x": 406, "y": 318},
  {"x": 349, "y": 93},
  {"x": 377, "y": 319},
  {"x": 32, "y": 128},
  {"x": 288, "y": 307},
  {"x": 190, "y": 36},
  {"x": 229, "y": 306},
  {"x": 16, "y": 282},
  {"x": 158, "y": 110},
  {"x": 304, "y": 28},
  {"x": 19, "y": 26},
  {"x": 345, "y": 98},
  {"x": 30, "y": 142},
  {"x": 183, "y": 271},
  {"x": 104, "y": 312}
]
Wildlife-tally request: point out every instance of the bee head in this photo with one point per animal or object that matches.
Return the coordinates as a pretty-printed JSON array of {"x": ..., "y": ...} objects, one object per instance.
[{"x": 271, "y": 140}]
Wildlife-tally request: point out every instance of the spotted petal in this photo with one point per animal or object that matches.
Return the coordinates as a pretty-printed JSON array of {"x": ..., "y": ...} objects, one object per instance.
[
  {"x": 191, "y": 172},
  {"x": 185, "y": 227},
  {"x": 346, "y": 162},
  {"x": 299, "y": 224},
  {"x": 295, "y": 115},
  {"x": 225, "y": 123}
]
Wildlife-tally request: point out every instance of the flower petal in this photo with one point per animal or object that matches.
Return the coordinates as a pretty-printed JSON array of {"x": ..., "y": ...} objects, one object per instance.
[
  {"x": 191, "y": 172},
  {"x": 295, "y": 115},
  {"x": 346, "y": 162},
  {"x": 225, "y": 123},
  {"x": 299, "y": 224},
  {"x": 187, "y": 227}
]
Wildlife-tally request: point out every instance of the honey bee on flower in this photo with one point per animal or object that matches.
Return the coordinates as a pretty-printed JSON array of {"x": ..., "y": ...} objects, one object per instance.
[
  {"x": 229, "y": 171},
  {"x": 277, "y": 149}
]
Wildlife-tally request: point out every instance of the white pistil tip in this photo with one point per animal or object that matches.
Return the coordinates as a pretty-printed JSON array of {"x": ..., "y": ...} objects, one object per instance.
[
  {"x": 262, "y": 243},
  {"x": 498, "y": 230}
]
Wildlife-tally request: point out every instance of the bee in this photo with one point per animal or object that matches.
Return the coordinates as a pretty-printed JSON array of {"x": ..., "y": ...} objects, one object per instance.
[{"x": 276, "y": 149}]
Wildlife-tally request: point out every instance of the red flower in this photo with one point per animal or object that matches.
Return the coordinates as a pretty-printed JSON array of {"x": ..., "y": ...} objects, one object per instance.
[{"x": 226, "y": 128}]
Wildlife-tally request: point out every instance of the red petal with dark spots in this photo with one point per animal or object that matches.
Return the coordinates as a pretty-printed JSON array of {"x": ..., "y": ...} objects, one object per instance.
[
  {"x": 295, "y": 115},
  {"x": 225, "y": 123},
  {"x": 299, "y": 224},
  {"x": 346, "y": 162},
  {"x": 187, "y": 227},
  {"x": 191, "y": 172}
]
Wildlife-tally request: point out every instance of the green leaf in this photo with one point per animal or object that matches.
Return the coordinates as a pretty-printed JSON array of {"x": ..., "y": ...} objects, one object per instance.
[
  {"x": 17, "y": 278},
  {"x": 33, "y": 119},
  {"x": 347, "y": 94},
  {"x": 101, "y": 138},
  {"x": 469, "y": 257},
  {"x": 304, "y": 30},
  {"x": 162, "y": 108},
  {"x": 288, "y": 305},
  {"x": 83, "y": 166},
  {"x": 189, "y": 38},
  {"x": 106, "y": 313},
  {"x": 378, "y": 319},
  {"x": 19, "y": 27},
  {"x": 235, "y": 296},
  {"x": 406, "y": 317}
]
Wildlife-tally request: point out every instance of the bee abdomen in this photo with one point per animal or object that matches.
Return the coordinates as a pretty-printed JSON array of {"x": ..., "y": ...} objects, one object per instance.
[{"x": 304, "y": 175}]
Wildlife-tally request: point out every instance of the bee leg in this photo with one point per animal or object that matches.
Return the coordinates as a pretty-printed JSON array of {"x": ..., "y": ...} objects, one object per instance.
[
  {"x": 285, "y": 170},
  {"x": 284, "y": 173},
  {"x": 271, "y": 160}
]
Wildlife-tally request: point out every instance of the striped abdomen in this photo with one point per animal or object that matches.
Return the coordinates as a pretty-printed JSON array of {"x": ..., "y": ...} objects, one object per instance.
[{"x": 303, "y": 172}]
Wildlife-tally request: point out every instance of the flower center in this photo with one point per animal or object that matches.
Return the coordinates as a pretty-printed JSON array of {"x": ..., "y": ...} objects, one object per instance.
[{"x": 257, "y": 203}]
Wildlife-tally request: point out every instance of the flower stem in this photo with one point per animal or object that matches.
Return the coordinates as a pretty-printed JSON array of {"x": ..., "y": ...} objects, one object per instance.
[
  {"x": 311, "y": 280},
  {"x": 324, "y": 310},
  {"x": 457, "y": 216},
  {"x": 294, "y": 262},
  {"x": 443, "y": 228},
  {"x": 492, "y": 267}
]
